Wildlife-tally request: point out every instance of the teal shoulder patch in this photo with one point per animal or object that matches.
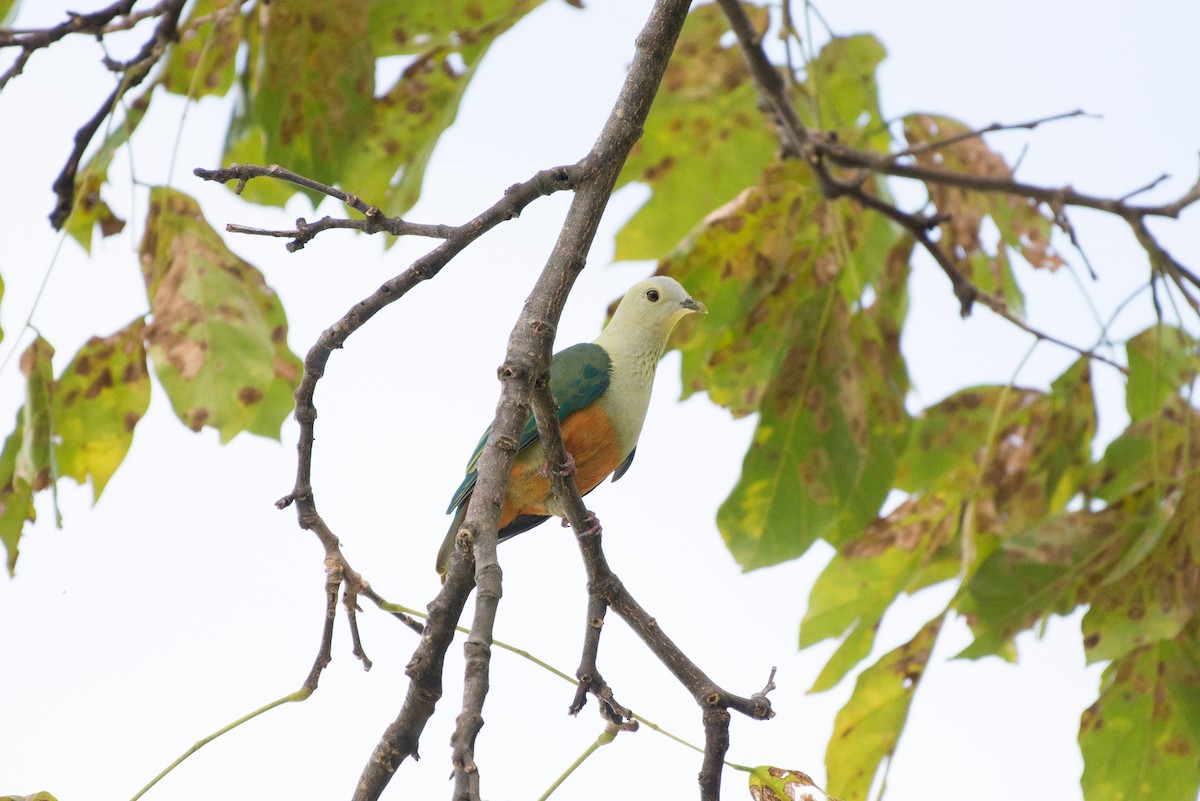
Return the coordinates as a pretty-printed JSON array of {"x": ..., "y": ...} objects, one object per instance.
[{"x": 578, "y": 376}]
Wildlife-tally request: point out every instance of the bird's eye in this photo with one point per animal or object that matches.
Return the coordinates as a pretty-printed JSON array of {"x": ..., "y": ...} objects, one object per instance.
[{"x": 652, "y": 295}]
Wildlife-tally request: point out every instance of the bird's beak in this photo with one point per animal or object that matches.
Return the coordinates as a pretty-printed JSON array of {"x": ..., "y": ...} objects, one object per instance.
[{"x": 693, "y": 305}]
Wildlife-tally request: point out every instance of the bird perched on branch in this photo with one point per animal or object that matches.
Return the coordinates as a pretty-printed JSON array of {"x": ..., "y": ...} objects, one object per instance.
[{"x": 603, "y": 391}]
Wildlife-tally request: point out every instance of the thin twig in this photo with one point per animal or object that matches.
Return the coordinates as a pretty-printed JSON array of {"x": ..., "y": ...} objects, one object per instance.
[
  {"x": 133, "y": 73},
  {"x": 926, "y": 147},
  {"x": 818, "y": 150}
]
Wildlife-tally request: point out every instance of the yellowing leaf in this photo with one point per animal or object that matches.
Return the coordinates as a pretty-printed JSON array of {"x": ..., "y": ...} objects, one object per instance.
[
  {"x": 704, "y": 140},
  {"x": 388, "y": 165},
  {"x": 1141, "y": 738},
  {"x": 902, "y": 552},
  {"x": 25, "y": 464},
  {"x": 867, "y": 728},
  {"x": 218, "y": 338},
  {"x": 33, "y": 465},
  {"x": 100, "y": 397}
]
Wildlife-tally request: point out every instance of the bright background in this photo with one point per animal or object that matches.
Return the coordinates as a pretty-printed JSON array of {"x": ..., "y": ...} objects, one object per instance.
[{"x": 184, "y": 599}]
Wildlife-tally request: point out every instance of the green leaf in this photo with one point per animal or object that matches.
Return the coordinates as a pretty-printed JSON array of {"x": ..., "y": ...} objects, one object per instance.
[
  {"x": 1161, "y": 360},
  {"x": 824, "y": 453},
  {"x": 33, "y": 464},
  {"x": 312, "y": 87},
  {"x": 903, "y": 552},
  {"x": 8, "y": 10},
  {"x": 1040, "y": 570},
  {"x": 16, "y": 496},
  {"x": 840, "y": 92},
  {"x": 1141, "y": 739},
  {"x": 203, "y": 61},
  {"x": 218, "y": 338},
  {"x": 388, "y": 166},
  {"x": 100, "y": 397},
  {"x": 402, "y": 27},
  {"x": 1150, "y": 453},
  {"x": 25, "y": 464},
  {"x": 704, "y": 140},
  {"x": 41, "y": 796},
  {"x": 867, "y": 728},
  {"x": 1156, "y": 599},
  {"x": 449, "y": 40}
]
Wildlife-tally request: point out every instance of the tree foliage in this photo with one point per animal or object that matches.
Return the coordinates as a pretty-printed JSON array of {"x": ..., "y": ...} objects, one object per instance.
[{"x": 998, "y": 489}]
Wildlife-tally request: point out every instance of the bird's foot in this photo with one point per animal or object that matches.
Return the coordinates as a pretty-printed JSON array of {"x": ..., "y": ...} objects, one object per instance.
[
  {"x": 593, "y": 530},
  {"x": 567, "y": 469}
]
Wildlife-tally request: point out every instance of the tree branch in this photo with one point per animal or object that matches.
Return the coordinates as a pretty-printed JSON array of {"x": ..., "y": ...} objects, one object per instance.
[
  {"x": 817, "y": 150},
  {"x": 374, "y": 222},
  {"x": 133, "y": 72},
  {"x": 606, "y": 590},
  {"x": 425, "y": 668}
]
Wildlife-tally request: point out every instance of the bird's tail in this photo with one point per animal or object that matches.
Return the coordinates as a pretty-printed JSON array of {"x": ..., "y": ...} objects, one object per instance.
[{"x": 447, "y": 550}]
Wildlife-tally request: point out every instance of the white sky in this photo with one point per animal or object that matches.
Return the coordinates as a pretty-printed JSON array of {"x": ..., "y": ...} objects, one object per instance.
[{"x": 184, "y": 599}]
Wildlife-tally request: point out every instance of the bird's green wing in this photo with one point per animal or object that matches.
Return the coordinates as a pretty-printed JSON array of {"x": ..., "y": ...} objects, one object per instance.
[{"x": 578, "y": 376}]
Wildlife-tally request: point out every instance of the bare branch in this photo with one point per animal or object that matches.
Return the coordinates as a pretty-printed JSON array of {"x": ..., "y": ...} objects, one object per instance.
[
  {"x": 134, "y": 72},
  {"x": 926, "y": 147},
  {"x": 817, "y": 151},
  {"x": 606, "y": 589},
  {"x": 375, "y": 221}
]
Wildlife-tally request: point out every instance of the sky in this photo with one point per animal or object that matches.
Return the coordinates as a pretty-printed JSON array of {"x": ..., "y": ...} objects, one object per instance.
[{"x": 184, "y": 599}]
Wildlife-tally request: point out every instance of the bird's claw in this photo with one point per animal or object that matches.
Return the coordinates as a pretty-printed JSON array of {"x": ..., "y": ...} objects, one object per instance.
[
  {"x": 593, "y": 530},
  {"x": 567, "y": 469}
]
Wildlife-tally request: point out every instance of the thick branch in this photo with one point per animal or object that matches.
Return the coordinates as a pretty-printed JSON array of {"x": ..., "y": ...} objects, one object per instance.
[{"x": 528, "y": 358}]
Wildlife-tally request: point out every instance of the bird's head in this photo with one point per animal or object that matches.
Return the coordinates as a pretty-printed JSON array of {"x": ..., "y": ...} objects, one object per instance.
[{"x": 655, "y": 304}]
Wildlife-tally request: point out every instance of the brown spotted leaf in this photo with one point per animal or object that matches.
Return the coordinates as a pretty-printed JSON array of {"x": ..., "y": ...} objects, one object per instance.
[
  {"x": 402, "y": 27},
  {"x": 99, "y": 398},
  {"x": 25, "y": 463},
  {"x": 202, "y": 62},
  {"x": 867, "y": 728},
  {"x": 218, "y": 339},
  {"x": 911, "y": 548},
  {"x": 704, "y": 140},
  {"x": 1159, "y": 595},
  {"x": 1045, "y": 569},
  {"x": 312, "y": 84},
  {"x": 1141, "y": 739},
  {"x": 830, "y": 427},
  {"x": 1023, "y": 226}
]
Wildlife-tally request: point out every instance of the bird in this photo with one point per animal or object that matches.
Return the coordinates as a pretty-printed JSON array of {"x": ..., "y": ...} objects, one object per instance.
[{"x": 603, "y": 391}]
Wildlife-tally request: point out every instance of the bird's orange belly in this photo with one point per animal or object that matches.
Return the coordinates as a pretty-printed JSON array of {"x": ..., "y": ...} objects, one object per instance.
[{"x": 589, "y": 438}]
